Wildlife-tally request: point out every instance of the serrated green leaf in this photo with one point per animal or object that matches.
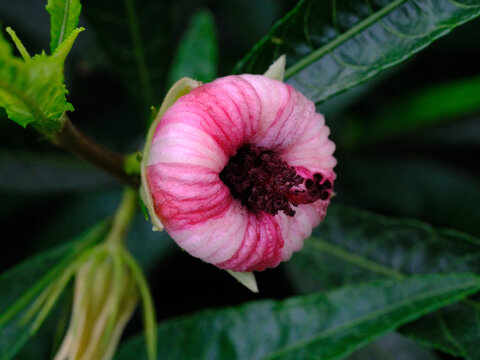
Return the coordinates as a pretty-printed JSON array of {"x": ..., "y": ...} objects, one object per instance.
[
  {"x": 332, "y": 46},
  {"x": 32, "y": 90},
  {"x": 64, "y": 16},
  {"x": 197, "y": 53},
  {"x": 20, "y": 286},
  {"x": 352, "y": 246},
  {"x": 321, "y": 326}
]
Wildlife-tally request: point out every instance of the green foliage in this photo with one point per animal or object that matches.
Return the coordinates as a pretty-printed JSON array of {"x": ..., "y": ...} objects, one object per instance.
[
  {"x": 199, "y": 39},
  {"x": 425, "y": 107},
  {"x": 332, "y": 46},
  {"x": 21, "y": 285},
  {"x": 64, "y": 16},
  {"x": 33, "y": 90},
  {"x": 352, "y": 246},
  {"x": 31, "y": 173},
  {"x": 326, "y": 325},
  {"x": 135, "y": 37},
  {"x": 421, "y": 187}
]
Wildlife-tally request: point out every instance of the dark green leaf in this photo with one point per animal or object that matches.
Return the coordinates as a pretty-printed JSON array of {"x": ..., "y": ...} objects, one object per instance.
[
  {"x": 136, "y": 37},
  {"x": 352, "y": 246},
  {"x": 321, "y": 326},
  {"x": 64, "y": 16},
  {"x": 28, "y": 172},
  {"x": 421, "y": 108},
  {"x": 197, "y": 52},
  {"x": 332, "y": 46},
  {"x": 412, "y": 186},
  {"x": 393, "y": 347},
  {"x": 22, "y": 284}
]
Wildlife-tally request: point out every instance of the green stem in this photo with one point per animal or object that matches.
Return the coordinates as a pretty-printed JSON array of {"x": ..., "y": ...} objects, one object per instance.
[
  {"x": 71, "y": 139},
  {"x": 123, "y": 218}
]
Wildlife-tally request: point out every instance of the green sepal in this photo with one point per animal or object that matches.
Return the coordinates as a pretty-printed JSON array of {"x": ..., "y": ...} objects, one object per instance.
[{"x": 276, "y": 71}]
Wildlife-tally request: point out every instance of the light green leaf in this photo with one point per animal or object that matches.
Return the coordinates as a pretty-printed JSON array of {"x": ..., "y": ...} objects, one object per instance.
[
  {"x": 32, "y": 90},
  {"x": 20, "y": 286},
  {"x": 321, "y": 326},
  {"x": 197, "y": 53},
  {"x": 64, "y": 16},
  {"x": 352, "y": 246},
  {"x": 332, "y": 46}
]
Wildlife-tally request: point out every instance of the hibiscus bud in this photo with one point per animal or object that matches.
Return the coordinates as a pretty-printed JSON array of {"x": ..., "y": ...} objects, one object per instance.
[
  {"x": 239, "y": 171},
  {"x": 105, "y": 297}
]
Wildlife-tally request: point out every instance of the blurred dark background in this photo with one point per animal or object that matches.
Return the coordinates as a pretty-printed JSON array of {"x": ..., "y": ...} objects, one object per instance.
[{"x": 429, "y": 171}]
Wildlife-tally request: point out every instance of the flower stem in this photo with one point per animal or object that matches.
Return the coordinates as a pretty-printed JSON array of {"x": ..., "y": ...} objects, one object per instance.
[
  {"x": 71, "y": 139},
  {"x": 123, "y": 217}
]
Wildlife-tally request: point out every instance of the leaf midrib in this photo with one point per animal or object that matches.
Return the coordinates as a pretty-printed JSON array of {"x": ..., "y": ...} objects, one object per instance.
[
  {"x": 64, "y": 23},
  {"x": 365, "y": 263},
  {"x": 362, "y": 25},
  {"x": 378, "y": 313}
]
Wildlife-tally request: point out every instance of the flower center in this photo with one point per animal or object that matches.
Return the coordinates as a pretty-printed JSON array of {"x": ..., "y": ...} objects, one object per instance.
[{"x": 263, "y": 181}]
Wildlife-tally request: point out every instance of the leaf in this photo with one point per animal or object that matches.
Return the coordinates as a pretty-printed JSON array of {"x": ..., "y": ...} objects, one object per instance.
[
  {"x": 136, "y": 38},
  {"x": 64, "y": 16},
  {"x": 421, "y": 189},
  {"x": 352, "y": 246},
  {"x": 332, "y": 46},
  {"x": 20, "y": 286},
  {"x": 32, "y": 90},
  {"x": 197, "y": 53},
  {"x": 321, "y": 326},
  {"x": 421, "y": 108},
  {"x": 33, "y": 173},
  {"x": 402, "y": 348}
]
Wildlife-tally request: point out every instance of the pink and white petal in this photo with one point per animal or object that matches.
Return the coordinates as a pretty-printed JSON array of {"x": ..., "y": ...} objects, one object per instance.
[
  {"x": 261, "y": 247},
  {"x": 215, "y": 240},
  {"x": 312, "y": 150},
  {"x": 185, "y": 144},
  {"x": 184, "y": 195},
  {"x": 295, "y": 229}
]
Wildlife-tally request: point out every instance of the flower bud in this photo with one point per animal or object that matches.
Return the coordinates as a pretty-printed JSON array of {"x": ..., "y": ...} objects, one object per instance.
[{"x": 105, "y": 297}]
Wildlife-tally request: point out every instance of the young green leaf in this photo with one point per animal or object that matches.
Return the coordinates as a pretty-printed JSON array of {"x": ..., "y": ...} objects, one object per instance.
[
  {"x": 197, "y": 52},
  {"x": 64, "y": 16},
  {"x": 320, "y": 326},
  {"x": 20, "y": 286},
  {"x": 332, "y": 46},
  {"x": 352, "y": 246},
  {"x": 33, "y": 91}
]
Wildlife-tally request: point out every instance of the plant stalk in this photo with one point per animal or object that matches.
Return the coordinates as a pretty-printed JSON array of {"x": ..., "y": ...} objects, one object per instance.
[
  {"x": 123, "y": 217},
  {"x": 71, "y": 139}
]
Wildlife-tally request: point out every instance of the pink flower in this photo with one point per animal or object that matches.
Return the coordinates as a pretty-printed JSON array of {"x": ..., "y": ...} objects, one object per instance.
[{"x": 240, "y": 170}]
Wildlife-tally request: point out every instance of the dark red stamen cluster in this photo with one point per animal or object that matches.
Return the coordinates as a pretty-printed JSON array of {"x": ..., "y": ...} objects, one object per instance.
[
  {"x": 315, "y": 189},
  {"x": 262, "y": 181}
]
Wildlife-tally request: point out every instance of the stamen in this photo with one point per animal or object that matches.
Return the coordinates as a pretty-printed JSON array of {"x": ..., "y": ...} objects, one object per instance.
[{"x": 263, "y": 181}]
